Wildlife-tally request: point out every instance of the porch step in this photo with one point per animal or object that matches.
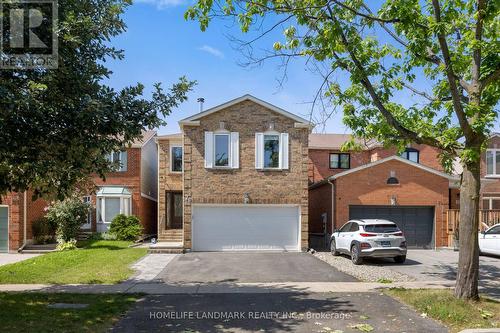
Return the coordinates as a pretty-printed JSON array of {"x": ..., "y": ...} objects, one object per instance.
[
  {"x": 83, "y": 235},
  {"x": 42, "y": 248},
  {"x": 166, "y": 247},
  {"x": 171, "y": 235}
]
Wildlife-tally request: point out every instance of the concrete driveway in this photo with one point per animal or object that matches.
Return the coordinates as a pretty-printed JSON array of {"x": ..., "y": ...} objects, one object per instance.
[
  {"x": 441, "y": 265},
  {"x": 217, "y": 267}
]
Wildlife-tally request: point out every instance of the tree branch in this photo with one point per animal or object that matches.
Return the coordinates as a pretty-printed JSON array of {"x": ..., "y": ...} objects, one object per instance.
[{"x": 457, "y": 105}]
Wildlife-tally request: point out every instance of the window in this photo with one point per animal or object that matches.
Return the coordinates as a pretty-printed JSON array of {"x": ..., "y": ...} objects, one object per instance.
[
  {"x": 411, "y": 154},
  {"x": 340, "y": 161},
  {"x": 491, "y": 203},
  {"x": 112, "y": 201},
  {"x": 271, "y": 151},
  {"x": 494, "y": 230},
  {"x": 176, "y": 159},
  {"x": 381, "y": 228},
  {"x": 354, "y": 227},
  {"x": 88, "y": 200},
  {"x": 221, "y": 150},
  {"x": 119, "y": 158},
  {"x": 493, "y": 162},
  {"x": 346, "y": 227}
]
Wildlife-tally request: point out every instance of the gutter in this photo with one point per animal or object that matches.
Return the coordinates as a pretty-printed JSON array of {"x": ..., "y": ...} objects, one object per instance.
[{"x": 330, "y": 181}]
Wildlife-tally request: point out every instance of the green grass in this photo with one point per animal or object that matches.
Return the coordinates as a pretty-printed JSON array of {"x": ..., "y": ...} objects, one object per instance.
[
  {"x": 28, "y": 312},
  {"x": 103, "y": 262},
  {"x": 455, "y": 313}
]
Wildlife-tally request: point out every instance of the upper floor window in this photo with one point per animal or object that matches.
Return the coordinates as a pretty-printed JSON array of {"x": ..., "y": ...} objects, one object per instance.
[
  {"x": 176, "y": 159},
  {"x": 493, "y": 162},
  {"x": 411, "y": 154},
  {"x": 119, "y": 158},
  {"x": 221, "y": 150},
  {"x": 271, "y": 150},
  {"x": 340, "y": 161}
]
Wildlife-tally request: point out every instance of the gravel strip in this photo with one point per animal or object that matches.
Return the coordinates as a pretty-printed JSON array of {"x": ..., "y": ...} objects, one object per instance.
[{"x": 369, "y": 271}]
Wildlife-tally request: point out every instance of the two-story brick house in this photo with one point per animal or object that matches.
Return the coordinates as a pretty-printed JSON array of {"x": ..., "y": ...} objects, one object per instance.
[
  {"x": 410, "y": 189},
  {"x": 131, "y": 190},
  {"x": 244, "y": 179}
]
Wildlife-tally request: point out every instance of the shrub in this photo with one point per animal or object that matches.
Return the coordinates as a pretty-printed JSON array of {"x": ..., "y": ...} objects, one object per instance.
[
  {"x": 68, "y": 215},
  {"x": 66, "y": 246},
  {"x": 126, "y": 227},
  {"x": 44, "y": 230}
]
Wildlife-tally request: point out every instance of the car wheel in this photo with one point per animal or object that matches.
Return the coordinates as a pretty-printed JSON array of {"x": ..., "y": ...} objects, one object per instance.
[
  {"x": 333, "y": 248},
  {"x": 356, "y": 259},
  {"x": 400, "y": 259}
]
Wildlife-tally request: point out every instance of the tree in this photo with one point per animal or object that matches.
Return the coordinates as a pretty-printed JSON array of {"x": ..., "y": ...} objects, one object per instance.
[
  {"x": 57, "y": 125},
  {"x": 445, "y": 53}
]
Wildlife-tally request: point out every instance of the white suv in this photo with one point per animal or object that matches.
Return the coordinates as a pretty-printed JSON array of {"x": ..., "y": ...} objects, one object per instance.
[{"x": 369, "y": 238}]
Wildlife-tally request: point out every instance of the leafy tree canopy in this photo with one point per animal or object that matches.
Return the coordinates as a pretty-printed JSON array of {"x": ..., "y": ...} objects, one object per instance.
[
  {"x": 57, "y": 125},
  {"x": 446, "y": 53}
]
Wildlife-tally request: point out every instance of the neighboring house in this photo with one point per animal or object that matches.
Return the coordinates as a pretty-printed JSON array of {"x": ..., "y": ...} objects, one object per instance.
[
  {"x": 238, "y": 176},
  {"x": 411, "y": 189},
  {"x": 132, "y": 189}
]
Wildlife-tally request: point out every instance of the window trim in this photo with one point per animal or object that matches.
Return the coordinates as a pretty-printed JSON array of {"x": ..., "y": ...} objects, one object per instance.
[
  {"x": 264, "y": 150},
  {"x": 172, "y": 158},
  {"x": 496, "y": 173},
  {"x": 111, "y": 158},
  {"x": 101, "y": 206},
  {"x": 490, "y": 202},
  {"x": 339, "y": 164},
  {"x": 405, "y": 154},
  {"x": 229, "y": 156},
  {"x": 88, "y": 199}
]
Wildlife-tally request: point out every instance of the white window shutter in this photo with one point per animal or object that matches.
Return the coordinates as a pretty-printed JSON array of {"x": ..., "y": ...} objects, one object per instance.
[
  {"x": 284, "y": 151},
  {"x": 259, "y": 150},
  {"x": 209, "y": 150},
  {"x": 235, "y": 150}
]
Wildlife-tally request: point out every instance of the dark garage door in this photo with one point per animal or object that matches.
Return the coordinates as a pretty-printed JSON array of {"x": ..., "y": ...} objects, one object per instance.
[{"x": 416, "y": 222}]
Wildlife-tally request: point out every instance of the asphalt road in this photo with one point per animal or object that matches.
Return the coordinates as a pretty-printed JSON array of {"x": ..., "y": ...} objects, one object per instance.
[{"x": 297, "y": 312}]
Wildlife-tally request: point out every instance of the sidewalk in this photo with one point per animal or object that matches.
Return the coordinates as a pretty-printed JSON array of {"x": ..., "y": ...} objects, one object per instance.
[{"x": 219, "y": 288}]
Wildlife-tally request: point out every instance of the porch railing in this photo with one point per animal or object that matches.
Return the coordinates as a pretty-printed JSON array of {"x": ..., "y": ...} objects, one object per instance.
[{"x": 487, "y": 218}]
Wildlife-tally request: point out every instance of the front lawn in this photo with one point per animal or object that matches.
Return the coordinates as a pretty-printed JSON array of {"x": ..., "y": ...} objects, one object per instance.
[
  {"x": 96, "y": 262},
  {"x": 28, "y": 312},
  {"x": 454, "y": 313}
]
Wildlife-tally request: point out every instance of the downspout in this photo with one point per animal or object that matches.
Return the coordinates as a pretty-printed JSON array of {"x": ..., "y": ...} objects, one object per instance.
[
  {"x": 25, "y": 216},
  {"x": 330, "y": 181}
]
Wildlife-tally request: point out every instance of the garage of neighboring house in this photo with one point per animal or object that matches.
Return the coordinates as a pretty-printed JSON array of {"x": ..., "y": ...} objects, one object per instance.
[
  {"x": 246, "y": 227},
  {"x": 416, "y": 222},
  {"x": 412, "y": 195},
  {"x": 4, "y": 229}
]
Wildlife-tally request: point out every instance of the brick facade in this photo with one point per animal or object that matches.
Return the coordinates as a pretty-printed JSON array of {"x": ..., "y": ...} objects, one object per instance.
[
  {"x": 168, "y": 180},
  {"x": 229, "y": 186},
  {"x": 319, "y": 159},
  {"x": 369, "y": 187}
]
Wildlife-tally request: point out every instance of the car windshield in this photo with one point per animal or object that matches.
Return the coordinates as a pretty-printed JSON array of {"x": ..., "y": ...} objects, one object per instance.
[{"x": 381, "y": 228}]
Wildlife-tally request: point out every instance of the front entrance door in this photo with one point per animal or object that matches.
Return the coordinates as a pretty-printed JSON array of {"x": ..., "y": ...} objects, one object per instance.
[
  {"x": 174, "y": 210},
  {"x": 88, "y": 224}
]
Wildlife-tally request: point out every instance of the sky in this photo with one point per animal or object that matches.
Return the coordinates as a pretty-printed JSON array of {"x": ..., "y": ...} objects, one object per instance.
[{"x": 160, "y": 46}]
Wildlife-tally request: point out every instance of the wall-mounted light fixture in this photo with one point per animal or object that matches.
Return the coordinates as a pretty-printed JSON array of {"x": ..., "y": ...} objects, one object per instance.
[
  {"x": 394, "y": 200},
  {"x": 222, "y": 125},
  {"x": 271, "y": 126},
  {"x": 246, "y": 198}
]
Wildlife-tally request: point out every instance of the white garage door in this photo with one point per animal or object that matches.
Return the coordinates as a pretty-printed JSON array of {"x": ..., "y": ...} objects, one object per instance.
[{"x": 245, "y": 228}]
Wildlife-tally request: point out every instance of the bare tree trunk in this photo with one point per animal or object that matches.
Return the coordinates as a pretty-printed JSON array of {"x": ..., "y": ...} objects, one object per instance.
[{"x": 468, "y": 263}]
